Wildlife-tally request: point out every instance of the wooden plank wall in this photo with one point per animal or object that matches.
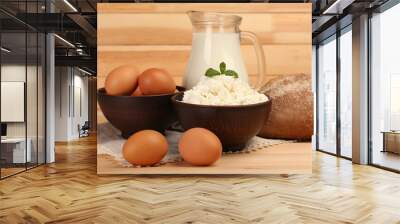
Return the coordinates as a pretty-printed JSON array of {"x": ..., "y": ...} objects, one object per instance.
[{"x": 159, "y": 35}]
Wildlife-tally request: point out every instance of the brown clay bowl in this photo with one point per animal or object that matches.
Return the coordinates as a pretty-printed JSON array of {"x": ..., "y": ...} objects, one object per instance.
[
  {"x": 234, "y": 125},
  {"x": 130, "y": 114}
]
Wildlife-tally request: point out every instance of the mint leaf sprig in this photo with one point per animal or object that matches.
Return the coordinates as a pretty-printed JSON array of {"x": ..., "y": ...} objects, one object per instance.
[{"x": 222, "y": 71}]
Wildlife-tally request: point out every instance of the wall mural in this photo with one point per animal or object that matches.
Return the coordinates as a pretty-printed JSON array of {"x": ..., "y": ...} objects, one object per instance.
[{"x": 204, "y": 88}]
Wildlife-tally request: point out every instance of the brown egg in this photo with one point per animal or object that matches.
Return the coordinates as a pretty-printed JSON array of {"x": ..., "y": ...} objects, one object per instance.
[
  {"x": 145, "y": 148},
  {"x": 122, "y": 80},
  {"x": 137, "y": 92},
  {"x": 200, "y": 147},
  {"x": 155, "y": 81}
]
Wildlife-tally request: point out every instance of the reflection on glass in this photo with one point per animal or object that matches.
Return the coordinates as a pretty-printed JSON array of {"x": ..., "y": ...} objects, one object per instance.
[
  {"x": 14, "y": 150},
  {"x": 327, "y": 96},
  {"x": 385, "y": 94},
  {"x": 346, "y": 94}
]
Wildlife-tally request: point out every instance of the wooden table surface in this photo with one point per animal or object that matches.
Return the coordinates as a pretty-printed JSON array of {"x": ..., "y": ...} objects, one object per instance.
[{"x": 288, "y": 158}]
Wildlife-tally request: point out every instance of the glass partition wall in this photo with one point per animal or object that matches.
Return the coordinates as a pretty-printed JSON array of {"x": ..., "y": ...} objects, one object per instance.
[
  {"x": 22, "y": 99},
  {"x": 385, "y": 89},
  {"x": 334, "y": 105},
  {"x": 13, "y": 85}
]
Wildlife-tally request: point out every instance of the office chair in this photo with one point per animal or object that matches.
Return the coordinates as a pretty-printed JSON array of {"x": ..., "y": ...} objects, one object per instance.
[{"x": 84, "y": 130}]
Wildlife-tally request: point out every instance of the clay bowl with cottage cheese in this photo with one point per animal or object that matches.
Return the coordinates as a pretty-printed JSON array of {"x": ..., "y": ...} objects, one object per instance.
[{"x": 234, "y": 125}]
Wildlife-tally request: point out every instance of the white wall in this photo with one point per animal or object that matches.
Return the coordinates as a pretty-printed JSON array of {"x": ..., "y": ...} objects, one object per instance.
[
  {"x": 71, "y": 93},
  {"x": 82, "y": 82},
  {"x": 12, "y": 101},
  {"x": 61, "y": 114},
  {"x": 12, "y": 73}
]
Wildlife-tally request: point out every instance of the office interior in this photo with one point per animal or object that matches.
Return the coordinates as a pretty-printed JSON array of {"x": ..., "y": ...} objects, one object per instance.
[{"x": 48, "y": 93}]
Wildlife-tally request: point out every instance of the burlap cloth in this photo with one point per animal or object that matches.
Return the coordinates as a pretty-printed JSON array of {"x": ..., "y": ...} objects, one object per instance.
[{"x": 110, "y": 142}]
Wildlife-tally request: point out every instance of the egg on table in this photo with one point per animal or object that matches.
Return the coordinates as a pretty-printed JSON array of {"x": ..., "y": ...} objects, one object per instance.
[
  {"x": 145, "y": 148},
  {"x": 154, "y": 81},
  {"x": 123, "y": 80},
  {"x": 200, "y": 147}
]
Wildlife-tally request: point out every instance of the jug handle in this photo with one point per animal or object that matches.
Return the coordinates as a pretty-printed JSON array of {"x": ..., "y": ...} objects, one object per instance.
[{"x": 260, "y": 56}]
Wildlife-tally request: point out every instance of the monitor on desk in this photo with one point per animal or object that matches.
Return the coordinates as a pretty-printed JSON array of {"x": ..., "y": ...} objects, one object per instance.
[{"x": 3, "y": 130}]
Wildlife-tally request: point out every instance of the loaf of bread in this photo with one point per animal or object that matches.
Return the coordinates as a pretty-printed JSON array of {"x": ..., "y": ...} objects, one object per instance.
[{"x": 291, "y": 116}]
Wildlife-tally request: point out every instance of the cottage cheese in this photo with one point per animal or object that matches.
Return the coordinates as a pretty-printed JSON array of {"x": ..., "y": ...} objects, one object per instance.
[{"x": 223, "y": 90}]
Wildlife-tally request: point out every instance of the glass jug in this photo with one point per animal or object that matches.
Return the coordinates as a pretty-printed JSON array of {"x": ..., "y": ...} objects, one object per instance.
[{"x": 216, "y": 38}]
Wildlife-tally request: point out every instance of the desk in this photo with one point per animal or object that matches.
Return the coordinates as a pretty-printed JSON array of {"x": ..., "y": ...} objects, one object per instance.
[
  {"x": 17, "y": 151},
  {"x": 391, "y": 141}
]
